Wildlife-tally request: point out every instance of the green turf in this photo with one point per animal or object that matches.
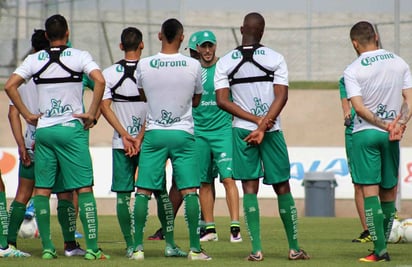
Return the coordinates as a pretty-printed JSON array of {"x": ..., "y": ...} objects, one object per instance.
[{"x": 327, "y": 240}]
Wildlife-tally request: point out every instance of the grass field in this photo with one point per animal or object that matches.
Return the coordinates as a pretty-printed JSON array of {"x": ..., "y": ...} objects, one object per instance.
[{"x": 327, "y": 240}]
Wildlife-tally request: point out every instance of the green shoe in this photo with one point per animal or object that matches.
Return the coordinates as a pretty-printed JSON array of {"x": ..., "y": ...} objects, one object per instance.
[
  {"x": 49, "y": 254},
  {"x": 99, "y": 255},
  {"x": 174, "y": 252}
]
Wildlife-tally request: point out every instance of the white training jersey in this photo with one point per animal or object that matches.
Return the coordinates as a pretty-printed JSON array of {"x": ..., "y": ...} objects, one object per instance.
[
  {"x": 58, "y": 101},
  {"x": 253, "y": 97},
  {"x": 130, "y": 114},
  {"x": 169, "y": 82},
  {"x": 28, "y": 94},
  {"x": 379, "y": 77}
]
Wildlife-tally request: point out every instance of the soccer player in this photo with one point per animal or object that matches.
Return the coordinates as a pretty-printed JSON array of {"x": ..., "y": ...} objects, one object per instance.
[
  {"x": 65, "y": 210},
  {"x": 348, "y": 115},
  {"x": 6, "y": 250},
  {"x": 61, "y": 134},
  {"x": 171, "y": 83},
  {"x": 213, "y": 135},
  {"x": 379, "y": 86},
  {"x": 257, "y": 79}
]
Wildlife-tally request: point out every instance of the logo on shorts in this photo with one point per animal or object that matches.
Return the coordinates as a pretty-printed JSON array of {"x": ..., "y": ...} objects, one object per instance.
[
  {"x": 382, "y": 113},
  {"x": 260, "y": 108},
  {"x": 136, "y": 127},
  {"x": 57, "y": 109},
  {"x": 167, "y": 119}
]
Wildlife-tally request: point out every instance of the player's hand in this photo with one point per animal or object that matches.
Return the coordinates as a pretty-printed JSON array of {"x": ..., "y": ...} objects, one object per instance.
[
  {"x": 24, "y": 156},
  {"x": 88, "y": 120},
  {"x": 396, "y": 129},
  {"x": 33, "y": 118},
  {"x": 255, "y": 137},
  {"x": 128, "y": 144}
]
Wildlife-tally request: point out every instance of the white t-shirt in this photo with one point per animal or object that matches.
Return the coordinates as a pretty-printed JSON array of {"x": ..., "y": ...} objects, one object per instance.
[
  {"x": 28, "y": 94},
  {"x": 255, "y": 97},
  {"x": 169, "y": 82},
  {"x": 378, "y": 77},
  {"x": 130, "y": 114},
  {"x": 58, "y": 102}
]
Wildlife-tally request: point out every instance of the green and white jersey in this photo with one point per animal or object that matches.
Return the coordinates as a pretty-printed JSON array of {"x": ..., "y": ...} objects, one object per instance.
[
  {"x": 169, "y": 82},
  {"x": 253, "y": 97},
  {"x": 28, "y": 94},
  {"x": 208, "y": 116},
  {"x": 378, "y": 77},
  {"x": 58, "y": 101},
  {"x": 130, "y": 114},
  {"x": 343, "y": 95}
]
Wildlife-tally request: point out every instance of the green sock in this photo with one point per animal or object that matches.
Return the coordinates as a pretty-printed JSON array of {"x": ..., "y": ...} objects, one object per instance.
[
  {"x": 389, "y": 211},
  {"x": 192, "y": 217},
  {"x": 141, "y": 203},
  {"x": 210, "y": 225},
  {"x": 289, "y": 216},
  {"x": 42, "y": 206},
  {"x": 166, "y": 217},
  {"x": 88, "y": 217},
  {"x": 234, "y": 224},
  {"x": 67, "y": 219},
  {"x": 252, "y": 219},
  {"x": 17, "y": 211},
  {"x": 4, "y": 220},
  {"x": 374, "y": 221},
  {"x": 124, "y": 217}
]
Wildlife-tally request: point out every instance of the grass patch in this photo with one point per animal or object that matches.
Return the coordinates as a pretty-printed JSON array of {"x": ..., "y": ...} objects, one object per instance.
[{"x": 327, "y": 240}]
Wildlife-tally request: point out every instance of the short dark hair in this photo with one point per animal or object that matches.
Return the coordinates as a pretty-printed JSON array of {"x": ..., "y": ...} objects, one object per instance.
[
  {"x": 171, "y": 28},
  {"x": 39, "y": 40},
  {"x": 363, "y": 32},
  {"x": 56, "y": 27},
  {"x": 131, "y": 38}
]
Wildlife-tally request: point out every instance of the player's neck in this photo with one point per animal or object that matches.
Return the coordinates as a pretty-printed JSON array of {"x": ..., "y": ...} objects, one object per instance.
[
  {"x": 132, "y": 55},
  {"x": 249, "y": 40},
  {"x": 206, "y": 64},
  {"x": 58, "y": 43}
]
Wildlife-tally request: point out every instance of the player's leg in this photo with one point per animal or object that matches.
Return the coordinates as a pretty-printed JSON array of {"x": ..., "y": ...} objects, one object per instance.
[
  {"x": 18, "y": 206},
  {"x": 123, "y": 178}
]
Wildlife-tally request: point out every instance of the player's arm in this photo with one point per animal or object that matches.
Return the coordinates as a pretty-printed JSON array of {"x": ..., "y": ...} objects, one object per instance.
[
  {"x": 366, "y": 114},
  {"x": 11, "y": 86},
  {"x": 224, "y": 102},
  {"x": 17, "y": 131},
  {"x": 196, "y": 100},
  {"x": 345, "y": 108}
]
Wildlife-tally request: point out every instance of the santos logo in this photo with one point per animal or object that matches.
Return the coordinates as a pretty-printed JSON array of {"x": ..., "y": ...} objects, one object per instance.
[{"x": 339, "y": 166}]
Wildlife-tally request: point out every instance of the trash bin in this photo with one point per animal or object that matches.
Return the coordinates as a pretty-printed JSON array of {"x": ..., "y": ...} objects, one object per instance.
[{"x": 319, "y": 194}]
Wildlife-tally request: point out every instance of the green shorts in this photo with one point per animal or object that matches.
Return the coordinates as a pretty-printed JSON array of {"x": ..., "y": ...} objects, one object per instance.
[
  {"x": 271, "y": 153},
  {"x": 63, "y": 147},
  {"x": 157, "y": 147},
  {"x": 214, "y": 151},
  {"x": 124, "y": 171},
  {"x": 26, "y": 172},
  {"x": 349, "y": 151},
  {"x": 375, "y": 159}
]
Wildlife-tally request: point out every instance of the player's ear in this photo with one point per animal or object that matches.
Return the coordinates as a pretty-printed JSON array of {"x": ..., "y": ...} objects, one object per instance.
[
  {"x": 241, "y": 30},
  {"x": 160, "y": 36},
  {"x": 121, "y": 46},
  {"x": 141, "y": 45},
  {"x": 182, "y": 37}
]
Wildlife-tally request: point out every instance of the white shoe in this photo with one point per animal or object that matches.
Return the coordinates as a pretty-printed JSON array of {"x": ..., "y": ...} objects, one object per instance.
[
  {"x": 77, "y": 251},
  {"x": 235, "y": 239},
  {"x": 13, "y": 252},
  {"x": 209, "y": 237},
  {"x": 198, "y": 256},
  {"x": 138, "y": 255}
]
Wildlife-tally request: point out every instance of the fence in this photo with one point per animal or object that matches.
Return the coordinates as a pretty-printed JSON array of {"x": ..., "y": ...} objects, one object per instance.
[{"x": 317, "y": 52}]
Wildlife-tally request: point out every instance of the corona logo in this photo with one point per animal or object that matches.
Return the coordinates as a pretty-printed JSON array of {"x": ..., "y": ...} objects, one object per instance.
[{"x": 7, "y": 162}]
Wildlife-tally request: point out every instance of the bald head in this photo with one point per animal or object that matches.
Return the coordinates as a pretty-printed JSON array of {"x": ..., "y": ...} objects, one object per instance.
[{"x": 253, "y": 27}]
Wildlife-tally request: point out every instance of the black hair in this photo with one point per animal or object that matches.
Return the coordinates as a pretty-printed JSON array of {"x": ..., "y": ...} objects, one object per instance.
[
  {"x": 39, "y": 40},
  {"x": 171, "y": 28},
  {"x": 131, "y": 38},
  {"x": 363, "y": 32},
  {"x": 56, "y": 27}
]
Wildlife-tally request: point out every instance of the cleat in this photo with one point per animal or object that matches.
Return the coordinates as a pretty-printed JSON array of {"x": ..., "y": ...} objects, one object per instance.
[
  {"x": 77, "y": 235},
  {"x": 298, "y": 255},
  {"x": 76, "y": 251},
  {"x": 235, "y": 236},
  {"x": 158, "y": 235},
  {"x": 258, "y": 256},
  {"x": 99, "y": 255},
  {"x": 174, "y": 252},
  {"x": 198, "y": 256},
  {"x": 29, "y": 214},
  {"x": 129, "y": 252},
  {"x": 210, "y": 235},
  {"x": 13, "y": 252},
  {"x": 364, "y": 237},
  {"x": 375, "y": 258},
  {"x": 49, "y": 254},
  {"x": 137, "y": 255},
  {"x": 202, "y": 231}
]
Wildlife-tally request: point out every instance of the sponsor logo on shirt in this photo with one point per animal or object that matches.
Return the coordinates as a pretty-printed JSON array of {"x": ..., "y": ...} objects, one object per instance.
[
  {"x": 367, "y": 61},
  {"x": 238, "y": 55},
  {"x": 43, "y": 55},
  {"x": 167, "y": 119},
  {"x": 158, "y": 63},
  {"x": 260, "y": 108},
  {"x": 208, "y": 103},
  {"x": 135, "y": 128},
  {"x": 57, "y": 109},
  {"x": 382, "y": 113}
]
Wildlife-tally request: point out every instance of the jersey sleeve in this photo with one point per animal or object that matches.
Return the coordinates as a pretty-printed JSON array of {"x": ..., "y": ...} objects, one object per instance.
[
  {"x": 281, "y": 73},
  {"x": 24, "y": 70},
  {"x": 221, "y": 79},
  {"x": 107, "y": 92},
  {"x": 88, "y": 63},
  {"x": 351, "y": 84},
  {"x": 407, "y": 80}
]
